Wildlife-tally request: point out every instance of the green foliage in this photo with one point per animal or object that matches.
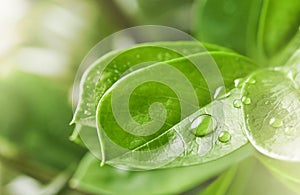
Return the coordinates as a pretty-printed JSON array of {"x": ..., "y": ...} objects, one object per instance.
[
  {"x": 92, "y": 178},
  {"x": 182, "y": 129},
  {"x": 264, "y": 30},
  {"x": 147, "y": 151},
  {"x": 34, "y": 119}
]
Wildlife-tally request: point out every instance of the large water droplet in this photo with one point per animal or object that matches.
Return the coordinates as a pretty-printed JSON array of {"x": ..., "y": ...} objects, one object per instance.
[
  {"x": 276, "y": 123},
  {"x": 237, "y": 103},
  {"x": 246, "y": 100},
  {"x": 224, "y": 137},
  {"x": 203, "y": 125}
]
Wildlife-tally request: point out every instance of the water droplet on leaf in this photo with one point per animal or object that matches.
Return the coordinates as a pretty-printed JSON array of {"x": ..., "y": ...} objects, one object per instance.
[
  {"x": 246, "y": 100},
  {"x": 86, "y": 112},
  {"x": 238, "y": 82},
  {"x": 274, "y": 122},
  {"x": 237, "y": 103},
  {"x": 203, "y": 125},
  {"x": 292, "y": 74},
  {"x": 224, "y": 137}
]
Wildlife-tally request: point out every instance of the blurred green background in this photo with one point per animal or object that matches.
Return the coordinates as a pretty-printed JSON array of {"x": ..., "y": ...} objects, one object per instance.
[{"x": 42, "y": 43}]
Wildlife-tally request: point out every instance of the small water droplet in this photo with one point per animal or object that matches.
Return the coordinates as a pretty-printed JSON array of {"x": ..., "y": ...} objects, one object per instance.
[
  {"x": 238, "y": 82},
  {"x": 251, "y": 81},
  {"x": 237, "y": 103},
  {"x": 86, "y": 112},
  {"x": 292, "y": 74},
  {"x": 287, "y": 130},
  {"x": 138, "y": 56},
  {"x": 276, "y": 123},
  {"x": 246, "y": 100},
  {"x": 267, "y": 102},
  {"x": 224, "y": 137},
  {"x": 203, "y": 125}
]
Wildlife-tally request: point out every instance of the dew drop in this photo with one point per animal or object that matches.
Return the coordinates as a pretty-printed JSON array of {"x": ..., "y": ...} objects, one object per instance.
[
  {"x": 138, "y": 56},
  {"x": 203, "y": 125},
  {"x": 276, "y": 123},
  {"x": 238, "y": 82},
  {"x": 246, "y": 100},
  {"x": 292, "y": 74},
  {"x": 237, "y": 103},
  {"x": 86, "y": 112},
  {"x": 224, "y": 137}
]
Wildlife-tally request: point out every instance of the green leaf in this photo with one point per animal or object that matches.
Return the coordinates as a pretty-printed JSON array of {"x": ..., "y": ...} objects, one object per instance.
[
  {"x": 265, "y": 30},
  {"x": 253, "y": 178},
  {"x": 178, "y": 145},
  {"x": 92, "y": 178},
  {"x": 113, "y": 65},
  {"x": 287, "y": 172},
  {"x": 272, "y": 114},
  {"x": 175, "y": 90},
  {"x": 220, "y": 185},
  {"x": 228, "y": 23}
]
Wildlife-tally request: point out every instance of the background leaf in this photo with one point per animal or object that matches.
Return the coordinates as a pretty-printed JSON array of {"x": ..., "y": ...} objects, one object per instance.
[
  {"x": 262, "y": 30},
  {"x": 94, "y": 179},
  {"x": 35, "y": 119}
]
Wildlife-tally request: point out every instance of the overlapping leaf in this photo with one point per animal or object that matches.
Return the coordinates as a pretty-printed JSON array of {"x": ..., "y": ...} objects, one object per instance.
[{"x": 174, "y": 142}]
